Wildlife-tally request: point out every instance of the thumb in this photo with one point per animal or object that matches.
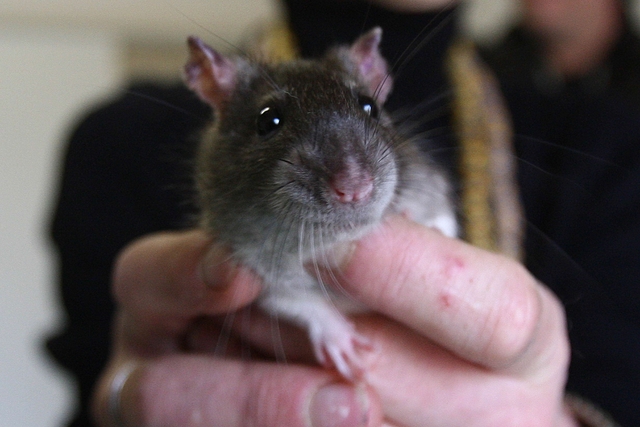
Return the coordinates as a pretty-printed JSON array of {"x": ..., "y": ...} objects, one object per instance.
[{"x": 199, "y": 390}]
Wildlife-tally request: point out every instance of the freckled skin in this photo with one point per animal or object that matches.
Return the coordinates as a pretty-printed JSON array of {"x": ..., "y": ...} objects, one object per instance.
[
  {"x": 452, "y": 266},
  {"x": 445, "y": 301}
]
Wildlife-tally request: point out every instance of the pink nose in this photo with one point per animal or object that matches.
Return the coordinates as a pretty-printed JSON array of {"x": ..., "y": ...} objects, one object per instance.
[
  {"x": 352, "y": 184},
  {"x": 358, "y": 193}
]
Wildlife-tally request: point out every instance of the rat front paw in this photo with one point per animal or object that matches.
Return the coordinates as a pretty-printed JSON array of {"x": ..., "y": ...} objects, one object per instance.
[{"x": 339, "y": 345}]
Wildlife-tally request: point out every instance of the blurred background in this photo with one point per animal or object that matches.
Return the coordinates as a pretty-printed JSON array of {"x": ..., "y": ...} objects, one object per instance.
[{"x": 57, "y": 58}]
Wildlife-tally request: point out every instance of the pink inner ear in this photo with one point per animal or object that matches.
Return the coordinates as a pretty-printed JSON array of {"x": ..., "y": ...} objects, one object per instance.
[
  {"x": 209, "y": 74},
  {"x": 371, "y": 65}
]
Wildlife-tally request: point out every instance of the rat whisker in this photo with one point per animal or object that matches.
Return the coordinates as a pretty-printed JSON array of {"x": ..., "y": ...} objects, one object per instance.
[
  {"x": 225, "y": 334},
  {"x": 282, "y": 212},
  {"x": 419, "y": 41},
  {"x": 283, "y": 160},
  {"x": 273, "y": 191},
  {"x": 164, "y": 103},
  {"x": 316, "y": 266},
  {"x": 585, "y": 155},
  {"x": 204, "y": 28},
  {"x": 241, "y": 52}
]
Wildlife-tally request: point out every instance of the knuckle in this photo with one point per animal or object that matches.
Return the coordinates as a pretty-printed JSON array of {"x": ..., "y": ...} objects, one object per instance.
[
  {"x": 122, "y": 275},
  {"x": 515, "y": 317},
  {"x": 271, "y": 403}
]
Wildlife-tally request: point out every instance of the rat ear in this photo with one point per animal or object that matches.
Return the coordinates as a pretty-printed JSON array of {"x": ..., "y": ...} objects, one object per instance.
[
  {"x": 209, "y": 74},
  {"x": 365, "y": 53}
]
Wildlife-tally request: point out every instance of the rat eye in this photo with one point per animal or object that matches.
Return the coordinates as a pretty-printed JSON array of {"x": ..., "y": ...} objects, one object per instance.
[
  {"x": 269, "y": 121},
  {"x": 369, "y": 106}
]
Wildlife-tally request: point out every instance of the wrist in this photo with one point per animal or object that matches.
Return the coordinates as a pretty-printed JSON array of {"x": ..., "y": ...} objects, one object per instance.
[
  {"x": 567, "y": 418},
  {"x": 585, "y": 413}
]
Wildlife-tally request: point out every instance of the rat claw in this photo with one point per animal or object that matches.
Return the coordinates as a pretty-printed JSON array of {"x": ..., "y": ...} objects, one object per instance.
[
  {"x": 363, "y": 342},
  {"x": 338, "y": 346}
]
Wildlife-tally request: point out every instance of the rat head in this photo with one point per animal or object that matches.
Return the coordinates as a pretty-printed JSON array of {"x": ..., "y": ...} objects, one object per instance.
[{"x": 302, "y": 141}]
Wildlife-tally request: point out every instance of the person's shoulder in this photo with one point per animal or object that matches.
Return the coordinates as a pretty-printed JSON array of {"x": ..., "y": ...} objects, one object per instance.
[
  {"x": 147, "y": 113},
  {"x": 144, "y": 101}
]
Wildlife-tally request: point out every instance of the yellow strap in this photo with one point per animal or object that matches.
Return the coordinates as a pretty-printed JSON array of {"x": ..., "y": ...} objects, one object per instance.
[
  {"x": 478, "y": 223},
  {"x": 492, "y": 214}
]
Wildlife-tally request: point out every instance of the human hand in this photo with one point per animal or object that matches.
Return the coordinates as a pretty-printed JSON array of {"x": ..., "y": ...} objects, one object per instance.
[
  {"x": 470, "y": 338},
  {"x": 171, "y": 289}
]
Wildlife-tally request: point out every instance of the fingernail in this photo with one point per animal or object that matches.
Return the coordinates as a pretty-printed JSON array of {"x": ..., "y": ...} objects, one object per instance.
[
  {"x": 338, "y": 405},
  {"x": 216, "y": 267}
]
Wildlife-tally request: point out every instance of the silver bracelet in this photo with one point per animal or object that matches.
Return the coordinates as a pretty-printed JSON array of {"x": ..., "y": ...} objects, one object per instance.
[{"x": 115, "y": 391}]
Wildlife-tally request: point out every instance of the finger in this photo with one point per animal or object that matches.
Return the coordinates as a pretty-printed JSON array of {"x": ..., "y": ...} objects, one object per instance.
[
  {"x": 274, "y": 337},
  {"x": 249, "y": 333},
  {"x": 482, "y": 306},
  {"x": 212, "y": 335},
  {"x": 196, "y": 390},
  {"x": 421, "y": 383},
  {"x": 180, "y": 274}
]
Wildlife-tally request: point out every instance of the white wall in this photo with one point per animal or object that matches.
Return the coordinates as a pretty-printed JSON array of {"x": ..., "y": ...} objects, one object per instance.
[
  {"x": 46, "y": 77},
  {"x": 57, "y": 57}
]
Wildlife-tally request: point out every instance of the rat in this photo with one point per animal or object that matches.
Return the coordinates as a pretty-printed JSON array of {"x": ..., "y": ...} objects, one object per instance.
[{"x": 301, "y": 158}]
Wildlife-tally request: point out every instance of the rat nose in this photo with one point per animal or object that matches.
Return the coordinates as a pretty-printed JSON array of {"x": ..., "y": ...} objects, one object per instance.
[{"x": 352, "y": 184}]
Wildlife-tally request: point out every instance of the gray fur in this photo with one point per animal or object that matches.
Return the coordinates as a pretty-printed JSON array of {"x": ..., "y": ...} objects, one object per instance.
[{"x": 270, "y": 201}]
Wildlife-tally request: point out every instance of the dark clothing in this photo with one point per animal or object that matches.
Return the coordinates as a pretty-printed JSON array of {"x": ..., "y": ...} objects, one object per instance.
[
  {"x": 578, "y": 142},
  {"x": 127, "y": 174}
]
